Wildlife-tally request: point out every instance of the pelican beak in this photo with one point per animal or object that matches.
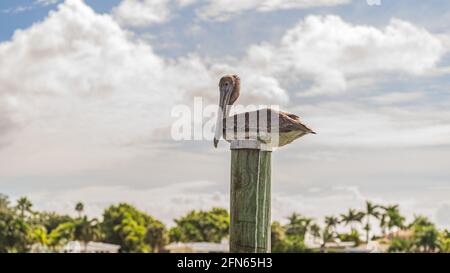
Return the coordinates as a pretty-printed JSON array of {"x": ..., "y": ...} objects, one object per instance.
[{"x": 225, "y": 94}]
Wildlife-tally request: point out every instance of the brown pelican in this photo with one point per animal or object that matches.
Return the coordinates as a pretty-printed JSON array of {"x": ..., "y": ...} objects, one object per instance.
[{"x": 271, "y": 127}]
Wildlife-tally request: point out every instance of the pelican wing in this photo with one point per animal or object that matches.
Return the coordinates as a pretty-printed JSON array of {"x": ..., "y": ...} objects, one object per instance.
[
  {"x": 265, "y": 125},
  {"x": 291, "y": 122}
]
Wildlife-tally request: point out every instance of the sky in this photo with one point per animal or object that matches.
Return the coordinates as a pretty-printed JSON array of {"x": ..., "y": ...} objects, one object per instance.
[{"x": 88, "y": 89}]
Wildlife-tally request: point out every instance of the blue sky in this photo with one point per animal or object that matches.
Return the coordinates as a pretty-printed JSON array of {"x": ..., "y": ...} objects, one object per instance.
[
  {"x": 87, "y": 93},
  {"x": 10, "y": 21},
  {"x": 243, "y": 28}
]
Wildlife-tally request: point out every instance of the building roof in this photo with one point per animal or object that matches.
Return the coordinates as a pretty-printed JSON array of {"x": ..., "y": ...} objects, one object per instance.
[
  {"x": 198, "y": 247},
  {"x": 76, "y": 247}
]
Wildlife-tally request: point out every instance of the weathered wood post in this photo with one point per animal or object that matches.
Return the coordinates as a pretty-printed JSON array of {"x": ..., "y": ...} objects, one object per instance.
[
  {"x": 250, "y": 134},
  {"x": 250, "y": 197}
]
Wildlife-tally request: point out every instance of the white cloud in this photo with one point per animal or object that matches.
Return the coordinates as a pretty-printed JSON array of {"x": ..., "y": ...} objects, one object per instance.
[
  {"x": 79, "y": 89},
  {"x": 88, "y": 85},
  {"x": 163, "y": 202},
  {"x": 77, "y": 82},
  {"x": 334, "y": 54},
  {"x": 358, "y": 124},
  {"x": 397, "y": 97},
  {"x": 443, "y": 214},
  {"x": 184, "y": 3},
  {"x": 6, "y": 124},
  {"x": 222, "y": 10},
  {"x": 89, "y": 88},
  {"x": 18, "y": 9},
  {"x": 46, "y": 2},
  {"x": 141, "y": 13},
  {"x": 25, "y": 8},
  {"x": 169, "y": 202}
]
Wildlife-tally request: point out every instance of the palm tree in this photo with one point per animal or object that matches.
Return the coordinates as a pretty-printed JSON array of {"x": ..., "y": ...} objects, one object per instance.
[
  {"x": 79, "y": 207},
  {"x": 383, "y": 222},
  {"x": 400, "y": 245},
  {"x": 327, "y": 236},
  {"x": 39, "y": 235},
  {"x": 86, "y": 231},
  {"x": 298, "y": 225},
  {"x": 331, "y": 222},
  {"x": 351, "y": 218},
  {"x": 61, "y": 235},
  {"x": 426, "y": 235},
  {"x": 394, "y": 218},
  {"x": 24, "y": 205},
  {"x": 371, "y": 211},
  {"x": 444, "y": 241},
  {"x": 4, "y": 202},
  {"x": 420, "y": 220},
  {"x": 315, "y": 231},
  {"x": 426, "y": 238}
]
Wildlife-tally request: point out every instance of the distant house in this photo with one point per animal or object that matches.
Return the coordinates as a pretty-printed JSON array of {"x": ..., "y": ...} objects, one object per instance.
[
  {"x": 91, "y": 247},
  {"x": 78, "y": 247},
  {"x": 386, "y": 241},
  {"x": 371, "y": 247},
  {"x": 344, "y": 247},
  {"x": 313, "y": 243},
  {"x": 400, "y": 234},
  {"x": 198, "y": 247}
]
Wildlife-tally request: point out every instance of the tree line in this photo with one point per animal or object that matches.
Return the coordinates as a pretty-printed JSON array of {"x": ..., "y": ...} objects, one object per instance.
[
  {"x": 22, "y": 228},
  {"x": 419, "y": 235}
]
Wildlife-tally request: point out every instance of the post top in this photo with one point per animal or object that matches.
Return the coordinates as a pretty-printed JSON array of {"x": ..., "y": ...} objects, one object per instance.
[{"x": 249, "y": 144}]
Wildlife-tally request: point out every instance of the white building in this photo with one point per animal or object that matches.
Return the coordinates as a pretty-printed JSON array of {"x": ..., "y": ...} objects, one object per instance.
[
  {"x": 91, "y": 247},
  {"x": 78, "y": 247},
  {"x": 199, "y": 247}
]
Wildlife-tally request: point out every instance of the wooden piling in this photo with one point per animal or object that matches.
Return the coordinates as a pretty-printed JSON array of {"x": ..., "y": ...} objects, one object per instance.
[{"x": 250, "y": 197}]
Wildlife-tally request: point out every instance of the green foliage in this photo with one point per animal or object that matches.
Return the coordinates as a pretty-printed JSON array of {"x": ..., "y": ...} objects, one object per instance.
[
  {"x": 79, "y": 207},
  {"x": 86, "y": 230},
  {"x": 4, "y": 202},
  {"x": 314, "y": 229},
  {"x": 133, "y": 230},
  {"x": 400, "y": 245},
  {"x": 156, "y": 236},
  {"x": 294, "y": 244},
  {"x": 278, "y": 238},
  {"x": 331, "y": 221},
  {"x": 327, "y": 236},
  {"x": 132, "y": 235},
  {"x": 290, "y": 238},
  {"x": 444, "y": 241},
  {"x": 175, "y": 234},
  {"x": 285, "y": 244},
  {"x": 352, "y": 236},
  {"x": 50, "y": 220},
  {"x": 298, "y": 226},
  {"x": 61, "y": 235},
  {"x": 352, "y": 217},
  {"x": 24, "y": 205},
  {"x": 425, "y": 238},
  {"x": 15, "y": 233},
  {"x": 136, "y": 231},
  {"x": 425, "y": 235},
  {"x": 39, "y": 235},
  {"x": 202, "y": 226},
  {"x": 395, "y": 219},
  {"x": 371, "y": 211},
  {"x": 420, "y": 221}
]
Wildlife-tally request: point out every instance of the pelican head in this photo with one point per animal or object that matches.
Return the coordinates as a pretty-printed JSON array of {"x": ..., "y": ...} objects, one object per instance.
[{"x": 229, "y": 87}]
